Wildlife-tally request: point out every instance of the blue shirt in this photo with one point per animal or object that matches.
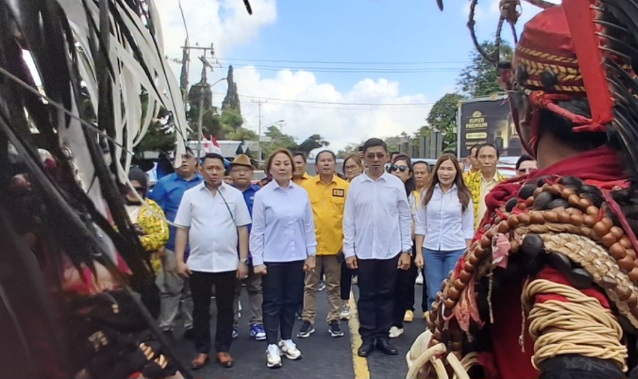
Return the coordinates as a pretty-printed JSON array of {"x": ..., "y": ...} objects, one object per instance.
[
  {"x": 283, "y": 225},
  {"x": 249, "y": 197},
  {"x": 168, "y": 194}
]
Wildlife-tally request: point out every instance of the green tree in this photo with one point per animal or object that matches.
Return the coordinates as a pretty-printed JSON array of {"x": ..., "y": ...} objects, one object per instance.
[
  {"x": 241, "y": 134},
  {"x": 442, "y": 118},
  {"x": 313, "y": 142},
  {"x": 349, "y": 149},
  {"x": 231, "y": 101},
  {"x": 480, "y": 77},
  {"x": 278, "y": 140}
]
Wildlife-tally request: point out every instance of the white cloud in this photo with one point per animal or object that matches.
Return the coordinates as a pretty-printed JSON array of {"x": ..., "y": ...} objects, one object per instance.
[
  {"x": 339, "y": 121},
  {"x": 227, "y": 23},
  {"x": 224, "y": 22}
]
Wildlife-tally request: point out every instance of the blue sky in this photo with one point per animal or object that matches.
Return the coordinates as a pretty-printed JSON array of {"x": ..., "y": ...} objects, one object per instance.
[{"x": 317, "y": 61}]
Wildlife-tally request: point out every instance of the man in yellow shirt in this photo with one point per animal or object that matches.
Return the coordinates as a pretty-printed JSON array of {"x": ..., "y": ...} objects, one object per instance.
[
  {"x": 482, "y": 182},
  {"x": 327, "y": 193},
  {"x": 475, "y": 165},
  {"x": 299, "y": 175}
]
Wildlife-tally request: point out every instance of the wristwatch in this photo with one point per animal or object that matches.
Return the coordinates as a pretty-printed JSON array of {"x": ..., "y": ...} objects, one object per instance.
[{"x": 244, "y": 261}]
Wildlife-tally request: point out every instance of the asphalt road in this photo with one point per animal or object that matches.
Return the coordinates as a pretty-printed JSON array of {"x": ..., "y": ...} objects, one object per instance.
[{"x": 323, "y": 356}]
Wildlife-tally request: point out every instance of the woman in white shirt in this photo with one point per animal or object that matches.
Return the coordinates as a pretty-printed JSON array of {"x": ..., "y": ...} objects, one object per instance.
[
  {"x": 283, "y": 247},
  {"x": 444, "y": 223},
  {"x": 404, "y": 289}
]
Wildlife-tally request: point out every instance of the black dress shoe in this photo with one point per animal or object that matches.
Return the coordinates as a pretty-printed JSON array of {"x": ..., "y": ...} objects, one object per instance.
[
  {"x": 385, "y": 347},
  {"x": 366, "y": 348}
]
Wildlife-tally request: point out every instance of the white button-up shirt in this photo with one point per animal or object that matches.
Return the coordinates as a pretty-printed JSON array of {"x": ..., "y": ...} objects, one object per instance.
[
  {"x": 376, "y": 223},
  {"x": 212, "y": 231},
  {"x": 443, "y": 222},
  {"x": 283, "y": 225}
]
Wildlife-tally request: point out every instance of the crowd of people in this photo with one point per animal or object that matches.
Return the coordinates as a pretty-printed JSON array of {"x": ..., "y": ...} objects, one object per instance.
[{"x": 295, "y": 234}]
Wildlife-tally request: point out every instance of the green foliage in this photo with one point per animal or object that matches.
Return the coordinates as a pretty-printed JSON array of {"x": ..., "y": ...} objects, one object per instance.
[
  {"x": 157, "y": 138},
  {"x": 442, "y": 118},
  {"x": 278, "y": 140},
  {"x": 242, "y": 134},
  {"x": 231, "y": 101},
  {"x": 349, "y": 149},
  {"x": 480, "y": 78},
  {"x": 313, "y": 142}
]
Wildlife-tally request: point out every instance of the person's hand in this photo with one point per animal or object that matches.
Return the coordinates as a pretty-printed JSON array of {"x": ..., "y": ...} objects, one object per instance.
[
  {"x": 419, "y": 261},
  {"x": 351, "y": 262},
  {"x": 182, "y": 270},
  {"x": 138, "y": 229},
  {"x": 404, "y": 261},
  {"x": 260, "y": 270},
  {"x": 310, "y": 264},
  {"x": 242, "y": 271}
]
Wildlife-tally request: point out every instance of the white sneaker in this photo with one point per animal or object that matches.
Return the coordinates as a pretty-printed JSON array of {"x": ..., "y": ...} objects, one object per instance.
[
  {"x": 345, "y": 312},
  {"x": 419, "y": 279},
  {"x": 273, "y": 357},
  {"x": 395, "y": 332},
  {"x": 289, "y": 350}
]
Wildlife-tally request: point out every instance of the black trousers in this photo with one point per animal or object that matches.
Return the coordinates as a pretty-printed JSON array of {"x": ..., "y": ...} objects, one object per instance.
[
  {"x": 346, "y": 280},
  {"x": 282, "y": 288},
  {"x": 404, "y": 293},
  {"x": 377, "y": 279},
  {"x": 201, "y": 284}
]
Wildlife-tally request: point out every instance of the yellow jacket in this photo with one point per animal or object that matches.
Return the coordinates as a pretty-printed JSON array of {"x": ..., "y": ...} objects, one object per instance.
[
  {"x": 153, "y": 224},
  {"x": 328, "y": 202},
  {"x": 473, "y": 183}
]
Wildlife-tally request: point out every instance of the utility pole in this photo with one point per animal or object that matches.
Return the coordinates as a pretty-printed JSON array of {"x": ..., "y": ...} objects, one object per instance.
[
  {"x": 259, "y": 104},
  {"x": 203, "y": 84}
]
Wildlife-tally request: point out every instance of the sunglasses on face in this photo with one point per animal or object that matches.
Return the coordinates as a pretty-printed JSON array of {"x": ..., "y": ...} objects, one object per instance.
[
  {"x": 401, "y": 168},
  {"x": 526, "y": 170}
]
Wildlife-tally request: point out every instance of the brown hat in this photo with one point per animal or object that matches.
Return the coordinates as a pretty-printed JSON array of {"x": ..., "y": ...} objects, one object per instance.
[{"x": 242, "y": 160}]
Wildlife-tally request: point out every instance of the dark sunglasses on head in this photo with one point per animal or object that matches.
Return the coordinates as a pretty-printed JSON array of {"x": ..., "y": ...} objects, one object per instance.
[{"x": 401, "y": 168}]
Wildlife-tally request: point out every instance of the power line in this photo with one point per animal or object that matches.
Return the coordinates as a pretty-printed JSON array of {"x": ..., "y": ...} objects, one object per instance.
[
  {"x": 346, "y": 70},
  {"x": 341, "y": 62},
  {"x": 266, "y": 99}
]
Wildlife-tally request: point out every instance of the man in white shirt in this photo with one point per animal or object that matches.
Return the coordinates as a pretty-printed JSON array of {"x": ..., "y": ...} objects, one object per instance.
[
  {"x": 214, "y": 219},
  {"x": 377, "y": 228}
]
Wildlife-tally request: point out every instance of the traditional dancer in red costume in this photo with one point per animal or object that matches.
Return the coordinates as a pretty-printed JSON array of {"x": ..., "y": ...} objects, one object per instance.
[{"x": 549, "y": 286}]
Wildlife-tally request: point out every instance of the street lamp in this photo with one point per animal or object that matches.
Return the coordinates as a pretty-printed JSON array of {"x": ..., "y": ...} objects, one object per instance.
[{"x": 200, "y": 133}]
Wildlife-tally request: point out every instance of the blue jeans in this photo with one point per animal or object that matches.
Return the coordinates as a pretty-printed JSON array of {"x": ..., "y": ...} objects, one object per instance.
[{"x": 438, "y": 265}]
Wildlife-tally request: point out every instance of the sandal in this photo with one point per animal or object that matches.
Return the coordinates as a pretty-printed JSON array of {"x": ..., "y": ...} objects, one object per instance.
[{"x": 200, "y": 361}]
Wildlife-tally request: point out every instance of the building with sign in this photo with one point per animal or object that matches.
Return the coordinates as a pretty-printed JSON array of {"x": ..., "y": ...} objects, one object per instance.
[{"x": 487, "y": 119}]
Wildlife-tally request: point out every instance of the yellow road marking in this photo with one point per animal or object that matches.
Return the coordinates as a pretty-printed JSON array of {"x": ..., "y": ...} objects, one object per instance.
[{"x": 360, "y": 364}]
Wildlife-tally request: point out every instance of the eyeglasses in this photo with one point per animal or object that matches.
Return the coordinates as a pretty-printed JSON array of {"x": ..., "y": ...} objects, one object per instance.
[
  {"x": 379, "y": 156},
  {"x": 401, "y": 168}
]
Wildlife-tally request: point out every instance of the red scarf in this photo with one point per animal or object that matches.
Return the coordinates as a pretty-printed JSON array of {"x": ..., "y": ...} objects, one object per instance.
[{"x": 600, "y": 167}]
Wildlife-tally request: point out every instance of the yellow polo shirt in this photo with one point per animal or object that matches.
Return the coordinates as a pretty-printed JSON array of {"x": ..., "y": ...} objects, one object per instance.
[
  {"x": 303, "y": 179},
  {"x": 328, "y": 201}
]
